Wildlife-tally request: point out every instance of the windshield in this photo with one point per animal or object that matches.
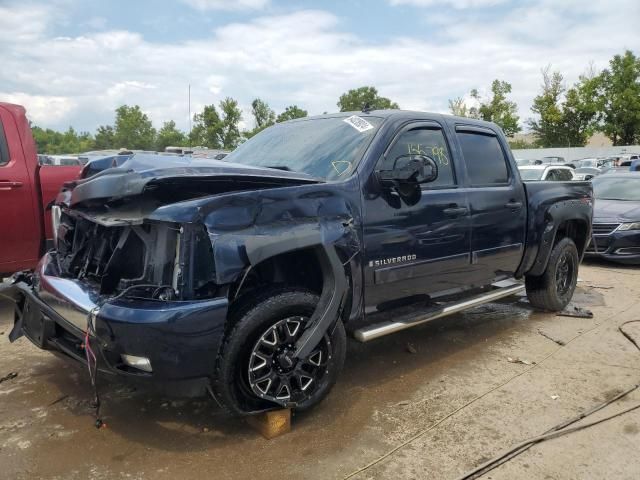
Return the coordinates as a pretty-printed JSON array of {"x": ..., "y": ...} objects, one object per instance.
[
  {"x": 531, "y": 174},
  {"x": 327, "y": 148},
  {"x": 616, "y": 188}
]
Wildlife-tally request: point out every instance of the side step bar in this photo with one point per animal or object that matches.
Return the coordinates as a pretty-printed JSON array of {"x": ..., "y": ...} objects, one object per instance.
[{"x": 377, "y": 330}]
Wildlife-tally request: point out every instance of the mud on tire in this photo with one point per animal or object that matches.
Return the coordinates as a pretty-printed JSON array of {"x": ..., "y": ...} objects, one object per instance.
[{"x": 256, "y": 369}]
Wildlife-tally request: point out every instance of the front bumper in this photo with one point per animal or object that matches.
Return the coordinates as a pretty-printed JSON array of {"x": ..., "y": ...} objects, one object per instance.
[
  {"x": 619, "y": 246},
  {"x": 181, "y": 339}
]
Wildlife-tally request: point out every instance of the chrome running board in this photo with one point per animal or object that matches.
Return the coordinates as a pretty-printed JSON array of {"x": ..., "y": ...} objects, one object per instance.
[{"x": 377, "y": 330}]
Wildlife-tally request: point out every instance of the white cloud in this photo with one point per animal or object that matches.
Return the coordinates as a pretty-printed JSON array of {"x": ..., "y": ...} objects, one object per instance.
[
  {"x": 458, "y": 4},
  {"x": 42, "y": 109},
  {"x": 23, "y": 23},
  {"x": 227, "y": 4},
  {"x": 303, "y": 58}
]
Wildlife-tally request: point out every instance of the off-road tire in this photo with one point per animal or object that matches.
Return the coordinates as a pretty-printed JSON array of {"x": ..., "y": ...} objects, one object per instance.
[
  {"x": 247, "y": 323},
  {"x": 544, "y": 291}
]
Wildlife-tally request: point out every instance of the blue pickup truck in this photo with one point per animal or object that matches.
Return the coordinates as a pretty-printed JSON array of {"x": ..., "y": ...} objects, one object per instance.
[{"x": 243, "y": 276}]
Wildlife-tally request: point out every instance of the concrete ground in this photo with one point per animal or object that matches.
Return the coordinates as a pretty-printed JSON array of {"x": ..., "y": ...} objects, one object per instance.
[{"x": 427, "y": 403}]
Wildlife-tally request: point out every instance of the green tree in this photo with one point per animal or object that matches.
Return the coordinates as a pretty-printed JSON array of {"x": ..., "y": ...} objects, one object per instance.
[
  {"x": 549, "y": 128},
  {"x": 207, "y": 128},
  {"x": 579, "y": 111},
  {"x": 49, "y": 141},
  {"x": 357, "y": 99},
  {"x": 262, "y": 113},
  {"x": 264, "y": 117},
  {"x": 85, "y": 142},
  {"x": 291, "y": 112},
  {"x": 497, "y": 108},
  {"x": 620, "y": 99},
  {"x": 105, "y": 138},
  {"x": 231, "y": 117},
  {"x": 133, "y": 129},
  {"x": 169, "y": 135},
  {"x": 566, "y": 117},
  {"x": 458, "y": 107}
]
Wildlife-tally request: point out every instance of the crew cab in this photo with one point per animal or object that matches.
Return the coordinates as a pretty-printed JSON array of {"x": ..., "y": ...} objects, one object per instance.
[
  {"x": 244, "y": 275},
  {"x": 26, "y": 189}
]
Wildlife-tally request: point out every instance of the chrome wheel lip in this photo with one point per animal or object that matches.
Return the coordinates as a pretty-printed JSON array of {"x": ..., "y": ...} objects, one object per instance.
[{"x": 292, "y": 380}]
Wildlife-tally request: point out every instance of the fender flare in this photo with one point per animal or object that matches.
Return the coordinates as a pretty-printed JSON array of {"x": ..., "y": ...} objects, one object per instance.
[
  {"x": 334, "y": 285},
  {"x": 556, "y": 215}
]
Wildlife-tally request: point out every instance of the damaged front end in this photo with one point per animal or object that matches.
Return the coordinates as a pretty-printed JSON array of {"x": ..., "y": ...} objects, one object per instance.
[
  {"x": 151, "y": 272},
  {"x": 119, "y": 258}
]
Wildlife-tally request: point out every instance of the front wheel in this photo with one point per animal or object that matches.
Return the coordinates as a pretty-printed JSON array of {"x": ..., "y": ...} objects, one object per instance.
[
  {"x": 257, "y": 367},
  {"x": 554, "y": 288}
]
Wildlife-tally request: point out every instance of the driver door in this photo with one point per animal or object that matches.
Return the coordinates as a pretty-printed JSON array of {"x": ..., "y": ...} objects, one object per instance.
[{"x": 417, "y": 240}]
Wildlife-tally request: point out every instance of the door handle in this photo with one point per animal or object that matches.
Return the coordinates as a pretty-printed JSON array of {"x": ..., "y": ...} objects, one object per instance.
[
  {"x": 455, "y": 211},
  {"x": 6, "y": 185},
  {"x": 513, "y": 204}
]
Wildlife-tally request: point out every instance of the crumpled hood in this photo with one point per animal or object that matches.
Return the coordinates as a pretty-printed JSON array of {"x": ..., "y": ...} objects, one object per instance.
[
  {"x": 612, "y": 211},
  {"x": 146, "y": 172}
]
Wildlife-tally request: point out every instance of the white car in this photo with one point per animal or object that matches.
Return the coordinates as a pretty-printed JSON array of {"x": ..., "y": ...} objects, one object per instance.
[{"x": 557, "y": 173}]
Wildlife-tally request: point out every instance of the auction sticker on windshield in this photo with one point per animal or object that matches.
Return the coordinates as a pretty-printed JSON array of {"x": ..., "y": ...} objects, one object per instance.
[{"x": 358, "y": 123}]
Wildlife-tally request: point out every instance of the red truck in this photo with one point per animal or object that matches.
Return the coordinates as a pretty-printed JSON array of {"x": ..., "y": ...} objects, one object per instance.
[{"x": 26, "y": 188}]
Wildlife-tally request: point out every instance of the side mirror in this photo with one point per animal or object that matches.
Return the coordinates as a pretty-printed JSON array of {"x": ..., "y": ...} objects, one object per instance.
[{"x": 409, "y": 169}]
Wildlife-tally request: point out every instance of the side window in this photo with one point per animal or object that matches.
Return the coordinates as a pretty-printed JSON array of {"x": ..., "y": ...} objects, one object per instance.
[
  {"x": 4, "y": 148},
  {"x": 423, "y": 141},
  {"x": 552, "y": 176},
  {"x": 564, "y": 175},
  {"x": 485, "y": 160}
]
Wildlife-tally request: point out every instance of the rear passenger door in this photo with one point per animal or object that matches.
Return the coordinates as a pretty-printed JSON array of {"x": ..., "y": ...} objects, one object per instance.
[{"x": 498, "y": 204}]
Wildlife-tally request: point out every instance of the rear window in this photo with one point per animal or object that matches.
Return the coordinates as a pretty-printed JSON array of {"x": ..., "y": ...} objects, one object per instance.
[
  {"x": 4, "y": 149},
  {"x": 484, "y": 158}
]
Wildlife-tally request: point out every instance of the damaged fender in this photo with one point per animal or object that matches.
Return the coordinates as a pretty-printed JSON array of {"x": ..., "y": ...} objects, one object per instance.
[{"x": 247, "y": 228}]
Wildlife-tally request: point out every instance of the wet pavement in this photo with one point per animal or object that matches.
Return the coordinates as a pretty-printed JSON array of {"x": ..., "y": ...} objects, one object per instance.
[{"x": 429, "y": 402}]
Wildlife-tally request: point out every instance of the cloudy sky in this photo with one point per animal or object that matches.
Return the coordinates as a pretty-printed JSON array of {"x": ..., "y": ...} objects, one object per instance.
[{"x": 72, "y": 62}]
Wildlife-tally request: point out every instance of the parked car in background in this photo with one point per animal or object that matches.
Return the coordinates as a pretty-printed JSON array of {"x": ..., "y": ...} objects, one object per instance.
[
  {"x": 242, "y": 275},
  {"x": 553, "y": 159},
  {"x": 616, "y": 217},
  {"x": 553, "y": 173},
  {"x": 26, "y": 189},
  {"x": 627, "y": 159},
  {"x": 586, "y": 173}
]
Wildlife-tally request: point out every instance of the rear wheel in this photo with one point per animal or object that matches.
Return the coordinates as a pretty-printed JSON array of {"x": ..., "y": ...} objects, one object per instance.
[
  {"x": 554, "y": 288},
  {"x": 257, "y": 367}
]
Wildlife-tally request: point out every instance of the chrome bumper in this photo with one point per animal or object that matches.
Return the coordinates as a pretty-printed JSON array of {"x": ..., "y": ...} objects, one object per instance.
[{"x": 71, "y": 299}]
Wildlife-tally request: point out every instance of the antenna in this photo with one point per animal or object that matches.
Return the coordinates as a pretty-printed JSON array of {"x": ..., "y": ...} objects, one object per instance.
[
  {"x": 189, "y": 115},
  {"x": 366, "y": 108}
]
